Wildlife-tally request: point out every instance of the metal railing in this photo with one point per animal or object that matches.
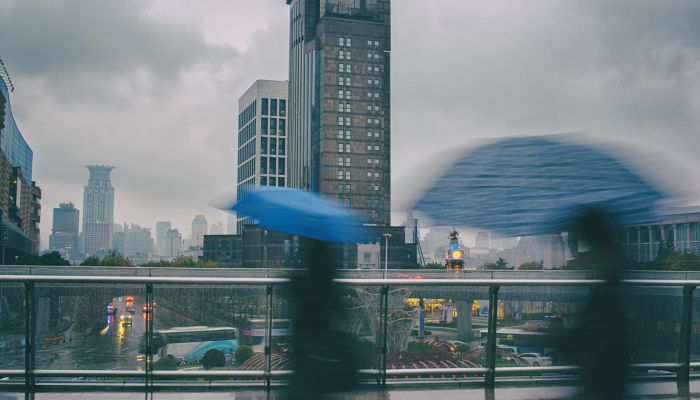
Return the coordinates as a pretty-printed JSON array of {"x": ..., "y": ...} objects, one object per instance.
[{"x": 268, "y": 377}]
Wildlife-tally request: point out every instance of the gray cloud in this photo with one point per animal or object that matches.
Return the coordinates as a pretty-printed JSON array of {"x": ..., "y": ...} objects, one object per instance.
[{"x": 113, "y": 82}]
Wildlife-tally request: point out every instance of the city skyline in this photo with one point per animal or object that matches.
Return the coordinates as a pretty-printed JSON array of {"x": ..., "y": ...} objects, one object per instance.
[{"x": 463, "y": 87}]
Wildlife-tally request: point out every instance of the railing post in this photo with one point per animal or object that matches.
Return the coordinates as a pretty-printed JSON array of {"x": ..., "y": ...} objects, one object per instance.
[
  {"x": 29, "y": 340},
  {"x": 385, "y": 332},
  {"x": 686, "y": 333},
  {"x": 490, "y": 379},
  {"x": 148, "y": 387},
  {"x": 268, "y": 339}
]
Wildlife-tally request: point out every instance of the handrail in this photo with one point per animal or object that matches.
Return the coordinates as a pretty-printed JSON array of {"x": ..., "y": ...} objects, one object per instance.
[{"x": 380, "y": 374}]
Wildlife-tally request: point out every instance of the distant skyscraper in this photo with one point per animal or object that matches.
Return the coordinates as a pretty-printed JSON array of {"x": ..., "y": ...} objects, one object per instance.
[
  {"x": 138, "y": 243},
  {"x": 262, "y": 119},
  {"x": 217, "y": 228},
  {"x": 162, "y": 228},
  {"x": 482, "y": 240},
  {"x": 173, "y": 244},
  {"x": 339, "y": 102},
  {"x": 98, "y": 210},
  {"x": 64, "y": 232},
  {"x": 199, "y": 229},
  {"x": 231, "y": 223}
]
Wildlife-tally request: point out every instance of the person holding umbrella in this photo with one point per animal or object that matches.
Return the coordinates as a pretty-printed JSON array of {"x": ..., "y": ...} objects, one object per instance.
[{"x": 324, "y": 358}]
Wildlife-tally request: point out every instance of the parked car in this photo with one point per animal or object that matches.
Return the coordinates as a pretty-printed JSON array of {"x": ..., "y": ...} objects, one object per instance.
[
  {"x": 511, "y": 350},
  {"x": 536, "y": 359}
]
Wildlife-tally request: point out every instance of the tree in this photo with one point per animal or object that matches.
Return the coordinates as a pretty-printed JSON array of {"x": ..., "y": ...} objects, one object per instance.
[
  {"x": 433, "y": 265},
  {"x": 213, "y": 359},
  {"x": 115, "y": 259},
  {"x": 52, "y": 258},
  {"x": 91, "y": 261},
  {"x": 500, "y": 264},
  {"x": 530, "y": 266},
  {"x": 167, "y": 363},
  {"x": 586, "y": 260},
  {"x": 243, "y": 353}
]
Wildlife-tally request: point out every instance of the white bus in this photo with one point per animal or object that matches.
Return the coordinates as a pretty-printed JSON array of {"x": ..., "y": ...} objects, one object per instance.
[{"x": 190, "y": 343}]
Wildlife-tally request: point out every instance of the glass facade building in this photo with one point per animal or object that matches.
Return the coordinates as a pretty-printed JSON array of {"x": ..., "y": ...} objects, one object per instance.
[
  {"x": 262, "y": 138},
  {"x": 12, "y": 143}
]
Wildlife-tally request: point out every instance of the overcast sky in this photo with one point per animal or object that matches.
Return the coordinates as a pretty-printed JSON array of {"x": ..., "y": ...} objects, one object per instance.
[{"x": 151, "y": 87}]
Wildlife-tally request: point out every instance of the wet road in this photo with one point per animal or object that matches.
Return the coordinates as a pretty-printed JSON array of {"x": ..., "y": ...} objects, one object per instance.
[{"x": 115, "y": 347}]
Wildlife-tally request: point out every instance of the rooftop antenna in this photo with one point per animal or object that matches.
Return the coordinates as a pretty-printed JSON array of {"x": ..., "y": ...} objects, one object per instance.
[{"x": 5, "y": 76}]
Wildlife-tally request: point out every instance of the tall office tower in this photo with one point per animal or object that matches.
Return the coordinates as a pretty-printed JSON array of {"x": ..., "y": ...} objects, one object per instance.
[
  {"x": 173, "y": 244},
  {"x": 162, "y": 228},
  {"x": 98, "y": 210},
  {"x": 339, "y": 102},
  {"x": 199, "y": 229},
  {"x": 262, "y": 138},
  {"x": 138, "y": 243},
  {"x": 64, "y": 232}
]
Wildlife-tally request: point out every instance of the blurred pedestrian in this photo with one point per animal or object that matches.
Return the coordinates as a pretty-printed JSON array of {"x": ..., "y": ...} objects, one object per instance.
[{"x": 600, "y": 344}]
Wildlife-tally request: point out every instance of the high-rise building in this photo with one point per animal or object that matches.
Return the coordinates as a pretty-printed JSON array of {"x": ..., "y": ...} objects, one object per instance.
[
  {"x": 64, "y": 231},
  {"x": 19, "y": 195},
  {"x": 173, "y": 244},
  {"x": 199, "y": 229},
  {"x": 217, "y": 228},
  {"x": 162, "y": 228},
  {"x": 98, "y": 210},
  {"x": 339, "y": 102},
  {"x": 138, "y": 243},
  {"x": 262, "y": 138}
]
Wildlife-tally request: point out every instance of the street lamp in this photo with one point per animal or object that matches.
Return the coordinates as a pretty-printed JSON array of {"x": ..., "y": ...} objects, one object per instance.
[{"x": 386, "y": 251}]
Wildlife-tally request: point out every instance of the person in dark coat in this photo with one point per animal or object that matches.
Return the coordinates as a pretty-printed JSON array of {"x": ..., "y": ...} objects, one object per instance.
[{"x": 600, "y": 344}]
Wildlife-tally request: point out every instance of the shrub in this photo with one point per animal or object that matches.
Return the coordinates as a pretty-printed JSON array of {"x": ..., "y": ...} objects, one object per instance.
[
  {"x": 213, "y": 359},
  {"x": 167, "y": 363},
  {"x": 243, "y": 353},
  {"x": 462, "y": 348}
]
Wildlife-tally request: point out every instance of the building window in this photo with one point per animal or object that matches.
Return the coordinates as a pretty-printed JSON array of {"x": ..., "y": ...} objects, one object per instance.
[
  {"x": 376, "y": 188},
  {"x": 369, "y": 161},
  {"x": 280, "y": 166},
  {"x": 340, "y": 188},
  {"x": 280, "y": 181},
  {"x": 369, "y": 107},
  {"x": 340, "y": 174},
  {"x": 376, "y": 81},
  {"x": 263, "y": 165},
  {"x": 369, "y": 134},
  {"x": 376, "y": 43},
  {"x": 347, "y": 147},
  {"x": 282, "y": 126},
  {"x": 341, "y": 41},
  {"x": 376, "y": 161},
  {"x": 263, "y": 181},
  {"x": 282, "y": 149},
  {"x": 348, "y": 55},
  {"x": 376, "y": 174},
  {"x": 341, "y": 55},
  {"x": 376, "y": 121},
  {"x": 369, "y": 43},
  {"x": 369, "y": 174},
  {"x": 341, "y": 81},
  {"x": 348, "y": 121},
  {"x": 369, "y": 94},
  {"x": 369, "y": 120},
  {"x": 340, "y": 161},
  {"x": 340, "y": 107},
  {"x": 369, "y": 187},
  {"x": 273, "y": 146},
  {"x": 264, "y": 106},
  {"x": 273, "y": 126},
  {"x": 347, "y": 161},
  {"x": 376, "y": 68},
  {"x": 273, "y": 181},
  {"x": 263, "y": 145},
  {"x": 263, "y": 126},
  {"x": 283, "y": 107},
  {"x": 376, "y": 107},
  {"x": 347, "y": 107},
  {"x": 348, "y": 41},
  {"x": 347, "y": 175},
  {"x": 347, "y": 188},
  {"x": 273, "y": 165},
  {"x": 348, "y": 81},
  {"x": 369, "y": 147},
  {"x": 341, "y": 121},
  {"x": 376, "y": 148},
  {"x": 348, "y": 94},
  {"x": 376, "y": 134},
  {"x": 341, "y": 67},
  {"x": 376, "y": 56},
  {"x": 340, "y": 147},
  {"x": 273, "y": 107},
  {"x": 340, "y": 134},
  {"x": 341, "y": 92},
  {"x": 347, "y": 134},
  {"x": 369, "y": 54},
  {"x": 376, "y": 95},
  {"x": 369, "y": 81}
]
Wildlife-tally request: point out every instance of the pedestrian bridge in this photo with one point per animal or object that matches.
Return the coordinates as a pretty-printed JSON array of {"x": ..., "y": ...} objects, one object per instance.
[{"x": 23, "y": 288}]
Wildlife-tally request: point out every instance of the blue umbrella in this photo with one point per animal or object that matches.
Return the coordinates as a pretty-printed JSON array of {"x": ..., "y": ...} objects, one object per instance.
[
  {"x": 535, "y": 185},
  {"x": 300, "y": 213}
]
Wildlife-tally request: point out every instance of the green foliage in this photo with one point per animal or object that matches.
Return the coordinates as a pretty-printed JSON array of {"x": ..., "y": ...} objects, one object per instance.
[
  {"x": 243, "y": 353},
  {"x": 113, "y": 259},
  {"x": 500, "y": 264},
  {"x": 679, "y": 261},
  {"x": 182, "y": 262},
  {"x": 462, "y": 348},
  {"x": 52, "y": 258},
  {"x": 91, "y": 261},
  {"x": 421, "y": 351},
  {"x": 433, "y": 266},
  {"x": 167, "y": 363},
  {"x": 213, "y": 359},
  {"x": 530, "y": 266}
]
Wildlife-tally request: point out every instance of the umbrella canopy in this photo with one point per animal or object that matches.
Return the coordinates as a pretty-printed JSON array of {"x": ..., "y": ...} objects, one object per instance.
[
  {"x": 535, "y": 185},
  {"x": 300, "y": 213}
]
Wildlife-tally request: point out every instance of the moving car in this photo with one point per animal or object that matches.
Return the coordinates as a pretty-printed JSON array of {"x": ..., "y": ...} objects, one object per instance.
[
  {"x": 127, "y": 320},
  {"x": 111, "y": 309},
  {"x": 536, "y": 359}
]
